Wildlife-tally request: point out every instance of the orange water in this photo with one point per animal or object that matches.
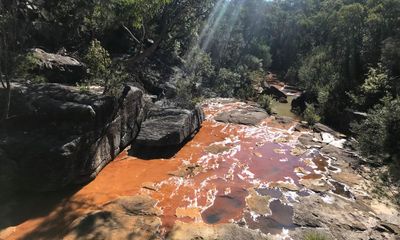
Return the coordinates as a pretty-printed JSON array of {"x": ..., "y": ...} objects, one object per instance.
[{"x": 214, "y": 194}]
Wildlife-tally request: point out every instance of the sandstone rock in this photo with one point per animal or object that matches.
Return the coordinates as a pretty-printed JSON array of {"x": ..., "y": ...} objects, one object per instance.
[
  {"x": 342, "y": 157},
  {"x": 126, "y": 218},
  {"x": 347, "y": 178},
  {"x": 297, "y": 151},
  {"x": 165, "y": 130},
  {"x": 284, "y": 120},
  {"x": 189, "y": 231},
  {"x": 59, "y": 136},
  {"x": 187, "y": 171},
  {"x": 321, "y": 128},
  {"x": 5, "y": 233},
  {"x": 246, "y": 116},
  {"x": 57, "y": 68},
  {"x": 257, "y": 203},
  {"x": 343, "y": 218},
  {"x": 285, "y": 186},
  {"x": 316, "y": 185},
  {"x": 216, "y": 148},
  {"x": 308, "y": 141}
]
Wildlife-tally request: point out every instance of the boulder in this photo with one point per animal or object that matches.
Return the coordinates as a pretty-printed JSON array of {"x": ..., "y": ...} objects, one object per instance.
[
  {"x": 299, "y": 103},
  {"x": 275, "y": 93},
  {"x": 321, "y": 128},
  {"x": 166, "y": 130},
  {"x": 57, "y": 68},
  {"x": 246, "y": 115},
  {"x": 59, "y": 136},
  {"x": 170, "y": 90}
]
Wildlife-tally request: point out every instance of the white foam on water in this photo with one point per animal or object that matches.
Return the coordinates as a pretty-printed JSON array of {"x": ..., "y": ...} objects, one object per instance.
[{"x": 328, "y": 199}]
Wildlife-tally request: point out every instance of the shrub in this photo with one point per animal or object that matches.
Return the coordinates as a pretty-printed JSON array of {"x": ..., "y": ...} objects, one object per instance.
[
  {"x": 226, "y": 83},
  {"x": 102, "y": 71},
  {"x": 99, "y": 63},
  {"x": 379, "y": 134},
  {"x": 185, "y": 88},
  {"x": 265, "y": 101},
  {"x": 26, "y": 66},
  {"x": 375, "y": 87},
  {"x": 310, "y": 115},
  {"x": 253, "y": 62}
]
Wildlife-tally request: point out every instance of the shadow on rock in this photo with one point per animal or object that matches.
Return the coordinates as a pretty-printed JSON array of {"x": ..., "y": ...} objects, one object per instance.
[{"x": 17, "y": 208}]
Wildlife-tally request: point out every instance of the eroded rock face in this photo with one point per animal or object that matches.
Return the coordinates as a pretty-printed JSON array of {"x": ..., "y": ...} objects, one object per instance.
[
  {"x": 59, "y": 136},
  {"x": 126, "y": 218},
  {"x": 58, "y": 68},
  {"x": 247, "y": 116},
  {"x": 167, "y": 129}
]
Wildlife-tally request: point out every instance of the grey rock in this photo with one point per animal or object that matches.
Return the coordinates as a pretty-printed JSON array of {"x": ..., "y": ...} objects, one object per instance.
[
  {"x": 246, "y": 116},
  {"x": 170, "y": 90},
  {"x": 321, "y": 128},
  {"x": 308, "y": 141},
  {"x": 312, "y": 211},
  {"x": 60, "y": 136},
  {"x": 284, "y": 120},
  {"x": 275, "y": 93},
  {"x": 58, "y": 68},
  {"x": 166, "y": 129}
]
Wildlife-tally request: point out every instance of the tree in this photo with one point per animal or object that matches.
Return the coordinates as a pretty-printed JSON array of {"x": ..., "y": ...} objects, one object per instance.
[
  {"x": 383, "y": 123},
  {"x": 8, "y": 50}
]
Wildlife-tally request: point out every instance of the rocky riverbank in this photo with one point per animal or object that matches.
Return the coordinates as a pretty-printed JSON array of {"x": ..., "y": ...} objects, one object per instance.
[
  {"x": 60, "y": 136},
  {"x": 247, "y": 178}
]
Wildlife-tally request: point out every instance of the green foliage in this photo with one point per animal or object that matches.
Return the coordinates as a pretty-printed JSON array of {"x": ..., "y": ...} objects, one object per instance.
[
  {"x": 199, "y": 64},
  {"x": 98, "y": 61},
  {"x": 226, "y": 83},
  {"x": 262, "y": 51},
  {"x": 318, "y": 71},
  {"x": 391, "y": 54},
  {"x": 375, "y": 86},
  {"x": 102, "y": 71},
  {"x": 265, "y": 101},
  {"x": 186, "y": 93},
  {"x": 245, "y": 92},
  {"x": 310, "y": 115},
  {"x": 376, "y": 82},
  {"x": 83, "y": 87},
  {"x": 379, "y": 134},
  {"x": 252, "y": 62},
  {"x": 26, "y": 66}
]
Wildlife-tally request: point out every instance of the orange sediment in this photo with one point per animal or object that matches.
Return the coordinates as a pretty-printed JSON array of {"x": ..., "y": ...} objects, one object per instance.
[{"x": 213, "y": 190}]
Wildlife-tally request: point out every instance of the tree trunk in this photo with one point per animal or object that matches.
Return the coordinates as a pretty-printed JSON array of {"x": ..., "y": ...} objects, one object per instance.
[{"x": 6, "y": 108}]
